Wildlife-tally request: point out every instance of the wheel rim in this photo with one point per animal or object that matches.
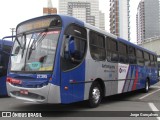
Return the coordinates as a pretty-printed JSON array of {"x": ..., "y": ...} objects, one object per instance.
[
  {"x": 96, "y": 95},
  {"x": 147, "y": 87}
]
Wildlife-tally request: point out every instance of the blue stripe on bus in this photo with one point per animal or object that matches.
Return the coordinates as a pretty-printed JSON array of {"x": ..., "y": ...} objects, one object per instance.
[
  {"x": 76, "y": 93},
  {"x": 66, "y": 21}
]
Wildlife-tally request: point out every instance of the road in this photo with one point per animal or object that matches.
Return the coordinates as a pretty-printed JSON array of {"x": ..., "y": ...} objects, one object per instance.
[{"x": 119, "y": 104}]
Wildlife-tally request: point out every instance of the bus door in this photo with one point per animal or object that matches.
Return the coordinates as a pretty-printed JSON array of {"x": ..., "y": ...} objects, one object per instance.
[
  {"x": 73, "y": 70},
  {"x": 73, "y": 65}
]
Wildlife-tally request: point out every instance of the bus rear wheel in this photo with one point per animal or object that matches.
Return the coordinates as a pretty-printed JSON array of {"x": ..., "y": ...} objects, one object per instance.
[
  {"x": 146, "y": 89},
  {"x": 95, "y": 95}
]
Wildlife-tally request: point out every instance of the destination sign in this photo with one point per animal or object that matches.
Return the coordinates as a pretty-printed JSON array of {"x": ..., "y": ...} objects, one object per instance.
[{"x": 38, "y": 24}]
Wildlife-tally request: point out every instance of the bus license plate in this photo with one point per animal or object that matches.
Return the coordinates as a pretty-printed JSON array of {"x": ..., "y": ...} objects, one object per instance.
[{"x": 25, "y": 92}]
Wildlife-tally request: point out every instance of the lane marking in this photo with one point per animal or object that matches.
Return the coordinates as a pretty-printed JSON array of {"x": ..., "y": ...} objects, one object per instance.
[
  {"x": 153, "y": 108},
  {"x": 149, "y": 94},
  {"x": 30, "y": 102},
  {"x": 155, "y": 87}
]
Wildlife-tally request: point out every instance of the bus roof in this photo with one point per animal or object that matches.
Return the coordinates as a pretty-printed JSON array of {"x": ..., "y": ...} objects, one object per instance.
[
  {"x": 69, "y": 19},
  {"x": 135, "y": 46}
]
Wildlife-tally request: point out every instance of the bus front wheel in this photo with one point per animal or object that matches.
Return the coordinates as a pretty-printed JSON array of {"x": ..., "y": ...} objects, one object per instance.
[{"x": 95, "y": 95}]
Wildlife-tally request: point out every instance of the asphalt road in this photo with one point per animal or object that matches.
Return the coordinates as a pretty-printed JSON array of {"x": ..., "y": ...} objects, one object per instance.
[{"x": 135, "y": 103}]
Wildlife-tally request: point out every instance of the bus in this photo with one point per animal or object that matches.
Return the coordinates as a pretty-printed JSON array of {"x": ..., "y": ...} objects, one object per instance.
[
  {"x": 5, "y": 49},
  {"x": 60, "y": 59}
]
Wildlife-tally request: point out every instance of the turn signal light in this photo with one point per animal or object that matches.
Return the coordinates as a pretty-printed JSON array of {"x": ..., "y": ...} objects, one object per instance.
[
  {"x": 8, "y": 79},
  {"x": 13, "y": 81}
]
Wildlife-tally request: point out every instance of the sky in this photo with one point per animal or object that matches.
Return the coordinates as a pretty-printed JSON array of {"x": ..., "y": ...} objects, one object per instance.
[{"x": 13, "y": 12}]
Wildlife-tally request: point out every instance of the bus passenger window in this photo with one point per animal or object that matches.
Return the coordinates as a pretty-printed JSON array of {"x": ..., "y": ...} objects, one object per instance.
[
  {"x": 132, "y": 55},
  {"x": 112, "y": 50},
  {"x": 97, "y": 46},
  {"x": 155, "y": 61},
  {"x": 140, "y": 57},
  {"x": 146, "y": 59},
  {"x": 123, "y": 57},
  {"x": 152, "y": 60},
  {"x": 114, "y": 56}
]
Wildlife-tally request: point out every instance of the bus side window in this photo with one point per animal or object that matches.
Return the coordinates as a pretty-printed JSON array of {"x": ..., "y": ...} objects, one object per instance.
[
  {"x": 132, "y": 55},
  {"x": 155, "y": 60},
  {"x": 123, "y": 51},
  {"x": 97, "y": 46},
  {"x": 152, "y": 60},
  {"x": 146, "y": 59},
  {"x": 112, "y": 50},
  {"x": 140, "y": 57}
]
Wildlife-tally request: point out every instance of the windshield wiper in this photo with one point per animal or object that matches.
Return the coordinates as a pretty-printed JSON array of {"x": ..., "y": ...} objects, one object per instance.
[
  {"x": 24, "y": 46},
  {"x": 39, "y": 38},
  {"x": 19, "y": 43}
]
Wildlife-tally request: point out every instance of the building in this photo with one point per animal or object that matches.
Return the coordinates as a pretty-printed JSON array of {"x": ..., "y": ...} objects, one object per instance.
[
  {"x": 152, "y": 44},
  {"x": 140, "y": 22},
  {"x": 147, "y": 20},
  {"x": 120, "y": 18},
  {"x": 49, "y": 9},
  {"x": 85, "y": 10},
  {"x": 101, "y": 20}
]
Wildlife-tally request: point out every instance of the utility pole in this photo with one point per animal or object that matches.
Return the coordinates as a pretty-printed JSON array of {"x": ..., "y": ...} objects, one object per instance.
[{"x": 12, "y": 30}]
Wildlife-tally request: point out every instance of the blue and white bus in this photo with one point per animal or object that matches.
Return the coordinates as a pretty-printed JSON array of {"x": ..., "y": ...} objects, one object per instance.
[
  {"x": 5, "y": 49},
  {"x": 60, "y": 59}
]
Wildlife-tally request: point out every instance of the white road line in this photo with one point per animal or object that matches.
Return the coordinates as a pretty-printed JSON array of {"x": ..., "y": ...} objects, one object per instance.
[
  {"x": 153, "y": 107},
  {"x": 155, "y": 87},
  {"x": 28, "y": 102},
  {"x": 149, "y": 94}
]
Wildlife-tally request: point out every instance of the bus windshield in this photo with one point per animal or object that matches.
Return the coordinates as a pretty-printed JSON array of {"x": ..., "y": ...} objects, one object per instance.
[{"x": 35, "y": 51}]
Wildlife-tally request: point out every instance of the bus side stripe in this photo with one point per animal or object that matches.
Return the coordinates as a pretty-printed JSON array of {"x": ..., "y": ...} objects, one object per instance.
[
  {"x": 135, "y": 81},
  {"x": 132, "y": 77},
  {"x": 126, "y": 81}
]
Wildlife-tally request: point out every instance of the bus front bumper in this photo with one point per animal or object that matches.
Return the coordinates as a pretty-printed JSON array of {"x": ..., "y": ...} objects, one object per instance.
[{"x": 47, "y": 94}]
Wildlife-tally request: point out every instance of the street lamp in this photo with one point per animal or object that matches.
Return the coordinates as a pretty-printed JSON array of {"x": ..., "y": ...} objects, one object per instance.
[{"x": 12, "y": 30}]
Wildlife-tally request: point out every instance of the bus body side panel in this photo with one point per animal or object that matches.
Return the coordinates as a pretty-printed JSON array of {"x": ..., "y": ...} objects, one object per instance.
[
  {"x": 135, "y": 79},
  {"x": 129, "y": 78},
  {"x": 101, "y": 70},
  {"x": 143, "y": 73},
  {"x": 141, "y": 77},
  {"x": 154, "y": 76},
  {"x": 137, "y": 76},
  {"x": 123, "y": 72}
]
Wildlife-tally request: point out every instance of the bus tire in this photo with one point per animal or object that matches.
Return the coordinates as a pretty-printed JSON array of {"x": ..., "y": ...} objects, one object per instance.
[
  {"x": 95, "y": 95},
  {"x": 146, "y": 89}
]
